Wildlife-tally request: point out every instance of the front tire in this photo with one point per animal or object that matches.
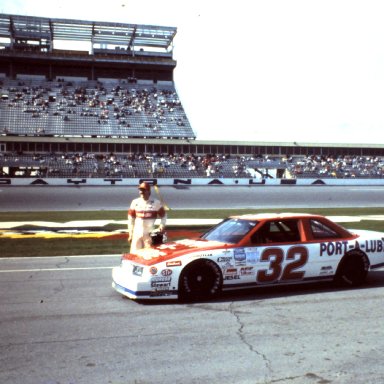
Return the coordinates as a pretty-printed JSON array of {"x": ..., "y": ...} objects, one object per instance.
[
  {"x": 200, "y": 280},
  {"x": 353, "y": 269}
]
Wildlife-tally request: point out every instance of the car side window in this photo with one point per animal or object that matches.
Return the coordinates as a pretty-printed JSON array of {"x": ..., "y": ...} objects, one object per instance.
[
  {"x": 229, "y": 231},
  {"x": 279, "y": 231},
  {"x": 322, "y": 231}
]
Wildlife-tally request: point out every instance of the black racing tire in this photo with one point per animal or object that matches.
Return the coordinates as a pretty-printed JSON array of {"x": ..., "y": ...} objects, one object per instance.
[
  {"x": 353, "y": 269},
  {"x": 200, "y": 280}
]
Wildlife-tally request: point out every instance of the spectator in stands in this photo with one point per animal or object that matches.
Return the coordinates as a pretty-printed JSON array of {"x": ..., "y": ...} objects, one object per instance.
[{"x": 142, "y": 215}]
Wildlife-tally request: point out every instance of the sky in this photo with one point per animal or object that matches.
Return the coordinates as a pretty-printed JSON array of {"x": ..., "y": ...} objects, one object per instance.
[{"x": 304, "y": 71}]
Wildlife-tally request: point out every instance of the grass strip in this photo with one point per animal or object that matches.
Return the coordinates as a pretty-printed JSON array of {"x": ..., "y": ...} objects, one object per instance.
[{"x": 119, "y": 245}]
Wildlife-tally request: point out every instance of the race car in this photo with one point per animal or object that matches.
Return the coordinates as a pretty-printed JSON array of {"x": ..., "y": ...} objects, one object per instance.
[{"x": 251, "y": 250}]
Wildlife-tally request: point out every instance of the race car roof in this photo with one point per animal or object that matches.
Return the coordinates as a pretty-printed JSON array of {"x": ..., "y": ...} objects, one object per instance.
[{"x": 272, "y": 215}]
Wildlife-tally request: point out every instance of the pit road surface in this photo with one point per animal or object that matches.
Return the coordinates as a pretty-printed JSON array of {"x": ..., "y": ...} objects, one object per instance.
[{"x": 62, "y": 323}]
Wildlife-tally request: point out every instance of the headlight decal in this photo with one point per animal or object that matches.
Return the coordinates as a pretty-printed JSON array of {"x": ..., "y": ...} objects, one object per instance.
[{"x": 137, "y": 270}]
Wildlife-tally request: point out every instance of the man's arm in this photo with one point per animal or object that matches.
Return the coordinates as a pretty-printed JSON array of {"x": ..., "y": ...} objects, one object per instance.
[
  {"x": 131, "y": 220},
  {"x": 163, "y": 218}
]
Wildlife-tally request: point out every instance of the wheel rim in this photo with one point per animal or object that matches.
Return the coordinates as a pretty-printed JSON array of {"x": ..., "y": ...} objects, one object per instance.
[
  {"x": 354, "y": 271},
  {"x": 201, "y": 280}
]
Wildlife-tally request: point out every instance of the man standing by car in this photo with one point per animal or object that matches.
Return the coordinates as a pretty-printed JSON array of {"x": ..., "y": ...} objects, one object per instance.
[{"x": 142, "y": 215}]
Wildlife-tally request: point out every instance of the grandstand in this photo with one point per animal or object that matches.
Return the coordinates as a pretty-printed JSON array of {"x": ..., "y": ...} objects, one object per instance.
[
  {"x": 98, "y": 109},
  {"x": 112, "y": 109}
]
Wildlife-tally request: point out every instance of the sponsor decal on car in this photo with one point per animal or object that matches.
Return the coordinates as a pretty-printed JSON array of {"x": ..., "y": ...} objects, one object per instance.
[
  {"x": 175, "y": 263},
  {"x": 247, "y": 271},
  {"x": 333, "y": 248},
  {"x": 161, "y": 282},
  {"x": 326, "y": 270},
  {"x": 373, "y": 246},
  {"x": 224, "y": 259},
  {"x": 337, "y": 248},
  {"x": 253, "y": 255},
  {"x": 235, "y": 277},
  {"x": 160, "y": 286},
  {"x": 240, "y": 256}
]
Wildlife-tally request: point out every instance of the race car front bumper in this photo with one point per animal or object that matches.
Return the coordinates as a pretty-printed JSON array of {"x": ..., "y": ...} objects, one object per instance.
[{"x": 137, "y": 287}]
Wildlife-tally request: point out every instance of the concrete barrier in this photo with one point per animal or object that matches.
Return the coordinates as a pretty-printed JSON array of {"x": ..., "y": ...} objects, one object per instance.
[{"x": 110, "y": 181}]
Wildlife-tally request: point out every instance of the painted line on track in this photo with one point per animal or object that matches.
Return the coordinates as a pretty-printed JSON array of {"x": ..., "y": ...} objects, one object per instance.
[
  {"x": 53, "y": 269},
  {"x": 59, "y": 257}
]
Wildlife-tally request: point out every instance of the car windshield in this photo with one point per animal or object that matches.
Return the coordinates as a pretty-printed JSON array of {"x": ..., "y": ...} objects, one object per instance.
[{"x": 229, "y": 231}]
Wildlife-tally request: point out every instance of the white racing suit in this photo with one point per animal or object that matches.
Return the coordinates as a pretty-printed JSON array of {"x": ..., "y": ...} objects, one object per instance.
[{"x": 142, "y": 215}]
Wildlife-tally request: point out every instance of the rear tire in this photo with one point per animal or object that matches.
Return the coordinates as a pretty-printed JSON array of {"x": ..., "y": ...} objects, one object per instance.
[
  {"x": 353, "y": 269},
  {"x": 200, "y": 280}
]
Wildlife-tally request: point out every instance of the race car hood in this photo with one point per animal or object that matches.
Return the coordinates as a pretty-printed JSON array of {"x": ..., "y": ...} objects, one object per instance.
[{"x": 168, "y": 251}]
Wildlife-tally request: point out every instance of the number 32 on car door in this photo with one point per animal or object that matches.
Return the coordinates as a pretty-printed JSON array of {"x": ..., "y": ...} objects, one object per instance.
[{"x": 278, "y": 268}]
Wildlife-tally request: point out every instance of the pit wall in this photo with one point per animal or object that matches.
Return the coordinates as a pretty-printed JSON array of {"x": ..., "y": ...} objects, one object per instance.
[{"x": 185, "y": 182}]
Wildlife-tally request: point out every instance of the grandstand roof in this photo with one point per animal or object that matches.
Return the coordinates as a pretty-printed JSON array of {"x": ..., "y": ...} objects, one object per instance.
[
  {"x": 159, "y": 141},
  {"x": 41, "y": 29}
]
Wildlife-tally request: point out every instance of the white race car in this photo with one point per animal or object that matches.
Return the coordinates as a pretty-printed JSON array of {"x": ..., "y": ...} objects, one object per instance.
[{"x": 251, "y": 251}]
